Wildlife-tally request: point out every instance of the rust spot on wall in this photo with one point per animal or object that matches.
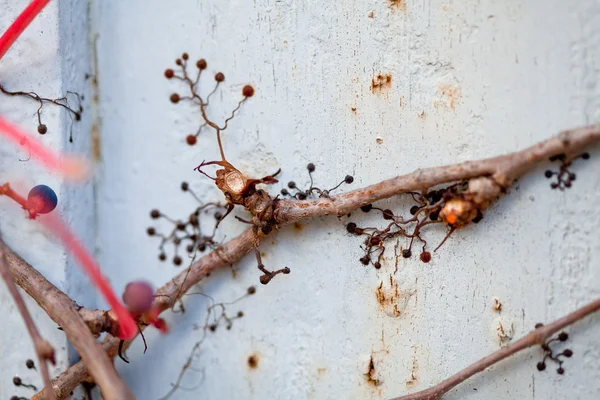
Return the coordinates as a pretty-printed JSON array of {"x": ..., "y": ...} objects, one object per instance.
[
  {"x": 370, "y": 374},
  {"x": 253, "y": 361},
  {"x": 263, "y": 254},
  {"x": 448, "y": 95},
  {"x": 381, "y": 83},
  {"x": 413, "y": 373},
  {"x": 371, "y": 14},
  {"x": 422, "y": 114},
  {"x": 96, "y": 145},
  {"x": 298, "y": 227},
  {"x": 321, "y": 372},
  {"x": 392, "y": 300},
  {"x": 398, "y": 4},
  {"x": 353, "y": 109}
]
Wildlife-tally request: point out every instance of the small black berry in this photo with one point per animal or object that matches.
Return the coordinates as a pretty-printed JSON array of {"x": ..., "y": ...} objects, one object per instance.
[
  {"x": 406, "y": 253},
  {"x": 560, "y": 370},
  {"x": 349, "y": 179},
  {"x": 563, "y": 336},
  {"x": 185, "y": 186},
  {"x": 151, "y": 231},
  {"x": 585, "y": 156},
  {"x": 42, "y": 129},
  {"x": 541, "y": 366},
  {"x": 568, "y": 353},
  {"x": 251, "y": 290},
  {"x": 310, "y": 167},
  {"x": 548, "y": 174},
  {"x": 177, "y": 260},
  {"x": 292, "y": 184},
  {"x": 367, "y": 208},
  {"x": 17, "y": 381},
  {"x": 365, "y": 260},
  {"x": 351, "y": 227},
  {"x": 414, "y": 209},
  {"x": 154, "y": 214}
]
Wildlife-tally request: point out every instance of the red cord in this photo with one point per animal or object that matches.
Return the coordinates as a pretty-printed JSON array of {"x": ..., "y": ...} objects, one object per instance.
[{"x": 22, "y": 21}]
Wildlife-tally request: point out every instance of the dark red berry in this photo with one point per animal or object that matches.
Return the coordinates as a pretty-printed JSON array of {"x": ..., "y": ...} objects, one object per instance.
[
  {"x": 560, "y": 370},
  {"x": 162, "y": 256},
  {"x": 175, "y": 98},
  {"x": 201, "y": 64},
  {"x": 568, "y": 352},
  {"x": 251, "y": 290},
  {"x": 425, "y": 256},
  {"x": 42, "y": 129},
  {"x": 169, "y": 73},
  {"x": 191, "y": 140},
  {"x": 377, "y": 264},
  {"x": 388, "y": 214},
  {"x": 248, "y": 91},
  {"x": 177, "y": 260},
  {"x": 185, "y": 56},
  {"x": 219, "y": 77},
  {"x": 365, "y": 260},
  {"x": 154, "y": 214},
  {"x": 151, "y": 231}
]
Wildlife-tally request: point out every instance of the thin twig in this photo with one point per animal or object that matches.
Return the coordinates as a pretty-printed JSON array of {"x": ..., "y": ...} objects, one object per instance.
[
  {"x": 43, "y": 349},
  {"x": 536, "y": 337}
]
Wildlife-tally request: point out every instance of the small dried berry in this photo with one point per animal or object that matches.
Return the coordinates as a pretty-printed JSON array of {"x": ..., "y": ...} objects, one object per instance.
[
  {"x": 349, "y": 179},
  {"x": 185, "y": 56},
  {"x": 548, "y": 174},
  {"x": 251, "y": 290},
  {"x": 151, "y": 231},
  {"x": 367, "y": 208},
  {"x": 191, "y": 140},
  {"x": 175, "y": 98},
  {"x": 541, "y": 366},
  {"x": 17, "y": 381},
  {"x": 538, "y": 325},
  {"x": 425, "y": 256},
  {"x": 292, "y": 184},
  {"x": 568, "y": 353},
  {"x": 42, "y": 129},
  {"x": 585, "y": 156},
  {"x": 169, "y": 73},
  {"x": 248, "y": 91},
  {"x": 414, "y": 210},
  {"x": 240, "y": 314},
  {"x": 406, "y": 253},
  {"x": 563, "y": 336},
  {"x": 377, "y": 264},
  {"x": 177, "y": 260},
  {"x": 154, "y": 214},
  {"x": 310, "y": 167},
  {"x": 388, "y": 214},
  {"x": 219, "y": 77},
  {"x": 201, "y": 64},
  {"x": 365, "y": 260},
  {"x": 31, "y": 365},
  {"x": 560, "y": 370},
  {"x": 351, "y": 227},
  {"x": 185, "y": 186},
  {"x": 190, "y": 248},
  {"x": 284, "y": 192},
  {"x": 162, "y": 256}
]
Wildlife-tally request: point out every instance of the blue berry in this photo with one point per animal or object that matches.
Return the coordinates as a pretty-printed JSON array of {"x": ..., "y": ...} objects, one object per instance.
[{"x": 42, "y": 199}]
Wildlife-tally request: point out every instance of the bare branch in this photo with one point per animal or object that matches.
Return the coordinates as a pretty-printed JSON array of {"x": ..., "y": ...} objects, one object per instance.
[
  {"x": 43, "y": 349},
  {"x": 536, "y": 337},
  {"x": 502, "y": 169},
  {"x": 62, "y": 310}
]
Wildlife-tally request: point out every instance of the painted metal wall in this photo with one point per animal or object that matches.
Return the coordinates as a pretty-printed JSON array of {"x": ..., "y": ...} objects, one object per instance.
[{"x": 469, "y": 80}]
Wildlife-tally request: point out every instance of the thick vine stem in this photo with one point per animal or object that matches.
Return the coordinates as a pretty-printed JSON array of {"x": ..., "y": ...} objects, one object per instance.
[
  {"x": 536, "y": 337},
  {"x": 62, "y": 310},
  {"x": 503, "y": 170}
]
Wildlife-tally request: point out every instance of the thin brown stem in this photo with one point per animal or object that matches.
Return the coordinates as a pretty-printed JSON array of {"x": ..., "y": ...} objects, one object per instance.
[{"x": 535, "y": 337}]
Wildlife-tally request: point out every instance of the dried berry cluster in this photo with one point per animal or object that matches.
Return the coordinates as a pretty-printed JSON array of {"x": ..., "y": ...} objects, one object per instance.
[
  {"x": 293, "y": 191},
  {"x": 187, "y": 233},
  {"x": 550, "y": 354},
  {"x": 60, "y": 102},
  {"x": 192, "y": 81},
  {"x": 447, "y": 205},
  {"x": 18, "y": 382},
  {"x": 564, "y": 176}
]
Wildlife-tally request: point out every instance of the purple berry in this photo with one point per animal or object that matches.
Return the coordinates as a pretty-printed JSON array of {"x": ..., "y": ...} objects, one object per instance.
[
  {"x": 138, "y": 296},
  {"x": 42, "y": 199}
]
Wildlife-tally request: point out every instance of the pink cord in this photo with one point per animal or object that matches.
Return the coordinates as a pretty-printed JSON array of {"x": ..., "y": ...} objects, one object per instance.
[{"x": 22, "y": 21}]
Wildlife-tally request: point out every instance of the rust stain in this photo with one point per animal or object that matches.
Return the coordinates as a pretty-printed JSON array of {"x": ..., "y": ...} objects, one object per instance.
[
  {"x": 422, "y": 114},
  {"x": 392, "y": 300},
  {"x": 370, "y": 374},
  {"x": 381, "y": 82},
  {"x": 298, "y": 227},
  {"x": 448, "y": 95},
  {"x": 321, "y": 371},
  {"x": 497, "y": 306},
  {"x": 371, "y": 14},
  {"x": 353, "y": 109},
  {"x": 253, "y": 361},
  {"x": 379, "y": 140},
  {"x": 414, "y": 380},
  {"x": 398, "y": 4},
  {"x": 96, "y": 144},
  {"x": 263, "y": 254}
]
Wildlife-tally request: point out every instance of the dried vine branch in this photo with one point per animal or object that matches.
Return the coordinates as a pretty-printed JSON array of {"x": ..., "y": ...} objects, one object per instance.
[
  {"x": 502, "y": 169},
  {"x": 534, "y": 338},
  {"x": 43, "y": 349},
  {"x": 62, "y": 310}
]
